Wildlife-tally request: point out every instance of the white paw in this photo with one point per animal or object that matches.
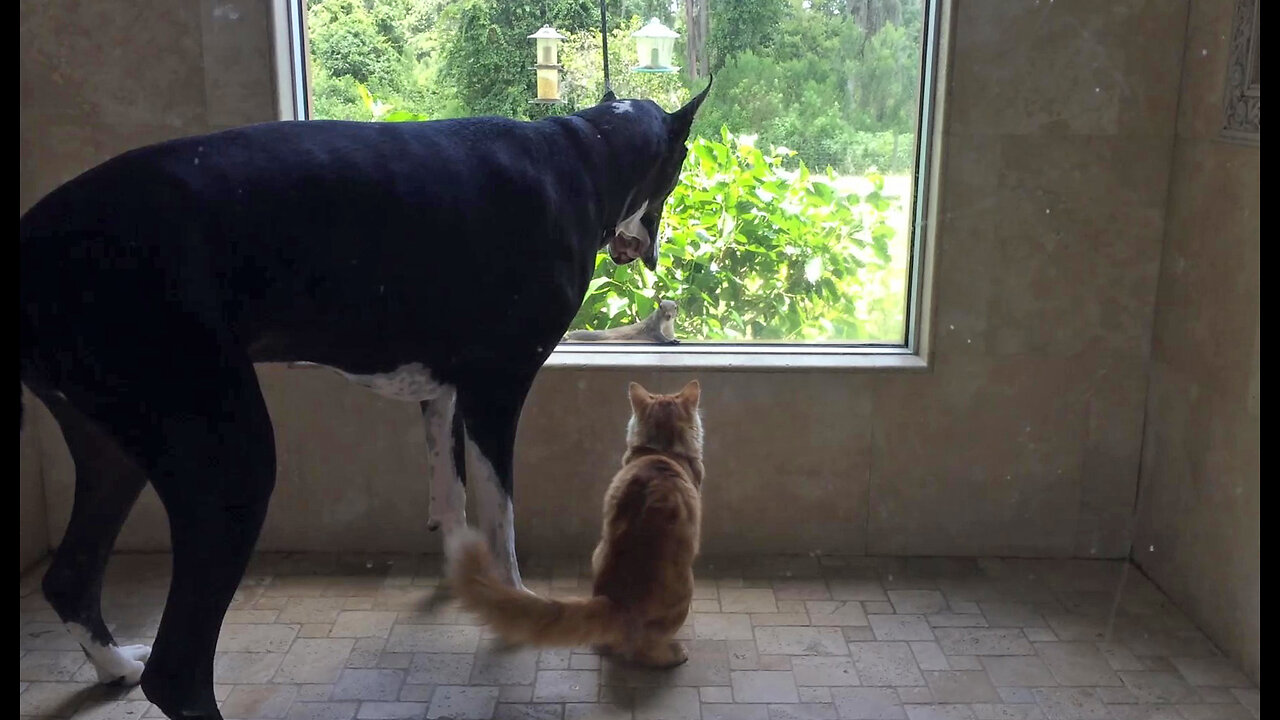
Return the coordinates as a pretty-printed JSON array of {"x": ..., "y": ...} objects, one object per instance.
[
  {"x": 128, "y": 675},
  {"x": 141, "y": 653},
  {"x": 113, "y": 664},
  {"x": 123, "y": 665}
]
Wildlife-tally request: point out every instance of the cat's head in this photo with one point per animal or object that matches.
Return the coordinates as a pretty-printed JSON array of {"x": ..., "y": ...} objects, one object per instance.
[{"x": 666, "y": 423}]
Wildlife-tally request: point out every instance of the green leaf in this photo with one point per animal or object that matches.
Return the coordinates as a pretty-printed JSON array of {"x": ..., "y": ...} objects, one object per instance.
[
  {"x": 403, "y": 116},
  {"x": 365, "y": 97}
]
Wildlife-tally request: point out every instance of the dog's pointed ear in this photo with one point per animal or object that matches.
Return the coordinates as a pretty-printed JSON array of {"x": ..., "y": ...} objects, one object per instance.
[
  {"x": 682, "y": 119},
  {"x": 608, "y": 96}
]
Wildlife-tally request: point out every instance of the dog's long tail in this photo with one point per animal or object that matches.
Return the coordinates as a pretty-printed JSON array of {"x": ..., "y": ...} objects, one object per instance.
[{"x": 520, "y": 617}]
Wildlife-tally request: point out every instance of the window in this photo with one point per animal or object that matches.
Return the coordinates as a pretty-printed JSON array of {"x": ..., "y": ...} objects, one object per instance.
[{"x": 797, "y": 220}]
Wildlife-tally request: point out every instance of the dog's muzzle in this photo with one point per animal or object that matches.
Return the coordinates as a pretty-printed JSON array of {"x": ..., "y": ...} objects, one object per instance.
[
  {"x": 625, "y": 248},
  {"x": 633, "y": 240}
]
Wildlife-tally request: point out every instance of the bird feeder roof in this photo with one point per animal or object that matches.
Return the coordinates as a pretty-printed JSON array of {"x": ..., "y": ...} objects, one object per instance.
[
  {"x": 547, "y": 33},
  {"x": 655, "y": 29}
]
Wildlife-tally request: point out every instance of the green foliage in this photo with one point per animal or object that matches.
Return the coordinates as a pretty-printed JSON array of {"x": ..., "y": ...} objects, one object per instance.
[
  {"x": 757, "y": 247},
  {"x": 335, "y": 98},
  {"x": 835, "y": 80},
  {"x": 583, "y": 82},
  {"x": 387, "y": 46},
  {"x": 888, "y": 152},
  {"x": 825, "y": 83},
  {"x": 802, "y": 242},
  {"x": 379, "y": 111},
  {"x": 884, "y": 78},
  {"x": 664, "y": 10},
  {"x": 346, "y": 42},
  {"x": 786, "y": 103},
  {"x": 488, "y": 55},
  {"x": 743, "y": 26}
]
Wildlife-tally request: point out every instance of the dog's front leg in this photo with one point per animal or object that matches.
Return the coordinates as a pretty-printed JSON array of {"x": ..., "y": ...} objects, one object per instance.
[{"x": 448, "y": 496}]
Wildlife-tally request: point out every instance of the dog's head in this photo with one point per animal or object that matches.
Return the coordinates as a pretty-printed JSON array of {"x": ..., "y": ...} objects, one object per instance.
[{"x": 656, "y": 140}]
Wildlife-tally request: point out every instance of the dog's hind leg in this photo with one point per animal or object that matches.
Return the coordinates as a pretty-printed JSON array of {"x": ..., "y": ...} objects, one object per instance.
[
  {"x": 107, "y": 484},
  {"x": 214, "y": 470},
  {"x": 491, "y": 413},
  {"x": 445, "y": 467},
  {"x": 496, "y": 511}
]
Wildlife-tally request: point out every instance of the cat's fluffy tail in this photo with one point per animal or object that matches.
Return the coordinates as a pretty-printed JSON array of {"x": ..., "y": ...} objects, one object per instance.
[{"x": 520, "y": 617}]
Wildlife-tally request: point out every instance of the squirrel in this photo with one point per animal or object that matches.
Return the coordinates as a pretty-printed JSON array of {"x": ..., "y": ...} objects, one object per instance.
[{"x": 659, "y": 327}]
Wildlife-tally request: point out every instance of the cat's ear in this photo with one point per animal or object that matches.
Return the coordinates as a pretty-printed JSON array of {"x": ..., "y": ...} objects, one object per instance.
[
  {"x": 640, "y": 398},
  {"x": 691, "y": 394}
]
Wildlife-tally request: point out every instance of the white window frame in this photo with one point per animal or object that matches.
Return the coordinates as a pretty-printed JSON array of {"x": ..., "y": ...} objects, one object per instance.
[
  {"x": 293, "y": 102},
  {"x": 291, "y": 59}
]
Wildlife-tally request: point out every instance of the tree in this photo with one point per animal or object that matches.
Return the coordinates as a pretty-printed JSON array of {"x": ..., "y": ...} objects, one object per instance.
[
  {"x": 623, "y": 10},
  {"x": 488, "y": 54},
  {"x": 696, "y": 28},
  {"x": 346, "y": 42},
  {"x": 821, "y": 83},
  {"x": 885, "y": 80},
  {"x": 872, "y": 15},
  {"x": 387, "y": 46},
  {"x": 743, "y": 26}
]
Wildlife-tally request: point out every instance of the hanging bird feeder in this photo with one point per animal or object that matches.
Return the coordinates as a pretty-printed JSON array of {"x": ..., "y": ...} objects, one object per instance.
[
  {"x": 655, "y": 44},
  {"x": 548, "y": 65}
]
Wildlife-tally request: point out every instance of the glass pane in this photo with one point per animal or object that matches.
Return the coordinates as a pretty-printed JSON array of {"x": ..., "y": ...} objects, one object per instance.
[{"x": 792, "y": 222}]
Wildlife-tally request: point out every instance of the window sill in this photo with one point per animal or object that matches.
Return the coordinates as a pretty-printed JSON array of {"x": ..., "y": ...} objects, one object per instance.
[{"x": 750, "y": 358}]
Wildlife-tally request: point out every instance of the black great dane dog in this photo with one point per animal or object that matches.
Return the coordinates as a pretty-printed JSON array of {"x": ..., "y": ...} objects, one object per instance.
[{"x": 435, "y": 262}]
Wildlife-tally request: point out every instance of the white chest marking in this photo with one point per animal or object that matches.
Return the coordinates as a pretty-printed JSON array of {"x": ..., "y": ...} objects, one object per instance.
[
  {"x": 412, "y": 383},
  {"x": 631, "y": 226}
]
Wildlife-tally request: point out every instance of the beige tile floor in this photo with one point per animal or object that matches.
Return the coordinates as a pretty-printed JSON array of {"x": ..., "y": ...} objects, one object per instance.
[{"x": 334, "y": 638}]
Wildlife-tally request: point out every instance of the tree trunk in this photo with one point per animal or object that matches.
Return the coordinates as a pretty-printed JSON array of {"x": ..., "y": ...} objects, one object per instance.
[
  {"x": 696, "y": 26},
  {"x": 872, "y": 15},
  {"x": 704, "y": 14},
  {"x": 849, "y": 85}
]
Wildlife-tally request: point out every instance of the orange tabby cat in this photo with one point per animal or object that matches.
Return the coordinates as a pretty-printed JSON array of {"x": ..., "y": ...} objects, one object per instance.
[{"x": 643, "y": 565}]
